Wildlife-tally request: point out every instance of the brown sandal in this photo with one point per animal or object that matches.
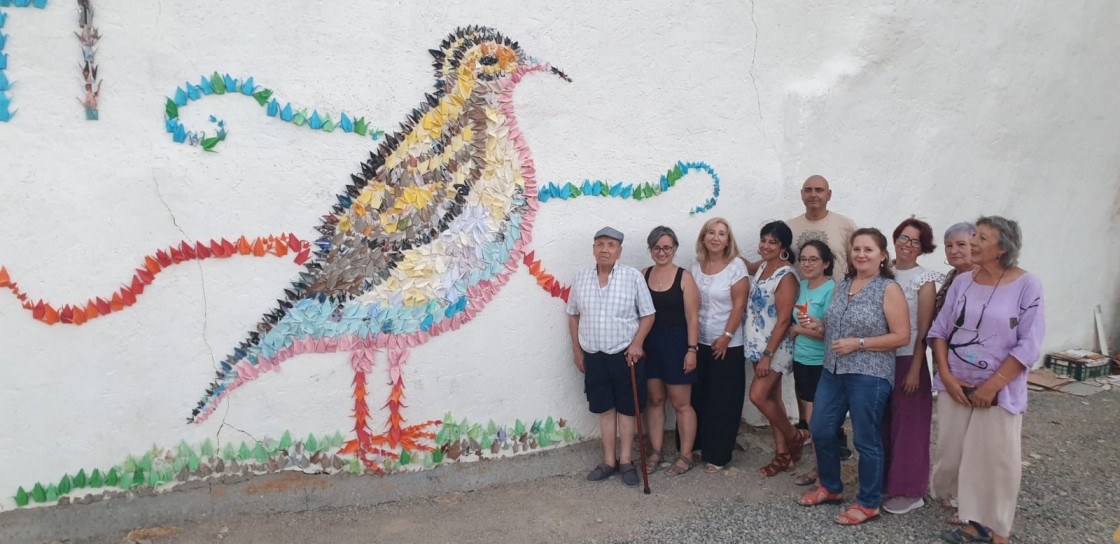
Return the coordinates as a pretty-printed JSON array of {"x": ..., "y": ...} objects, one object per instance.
[
  {"x": 797, "y": 445},
  {"x": 683, "y": 465},
  {"x": 781, "y": 463},
  {"x": 856, "y": 514}
]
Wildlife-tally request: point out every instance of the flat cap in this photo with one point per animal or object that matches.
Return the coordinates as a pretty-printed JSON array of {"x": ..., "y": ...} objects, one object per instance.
[{"x": 609, "y": 233}]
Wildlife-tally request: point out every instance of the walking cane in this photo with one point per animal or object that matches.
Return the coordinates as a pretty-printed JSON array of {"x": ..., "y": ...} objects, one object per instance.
[{"x": 641, "y": 437}]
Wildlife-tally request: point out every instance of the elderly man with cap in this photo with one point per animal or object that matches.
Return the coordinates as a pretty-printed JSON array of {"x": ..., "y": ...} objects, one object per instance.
[{"x": 610, "y": 311}]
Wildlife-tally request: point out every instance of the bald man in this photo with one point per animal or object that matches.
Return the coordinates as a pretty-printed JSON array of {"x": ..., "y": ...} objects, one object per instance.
[{"x": 818, "y": 223}]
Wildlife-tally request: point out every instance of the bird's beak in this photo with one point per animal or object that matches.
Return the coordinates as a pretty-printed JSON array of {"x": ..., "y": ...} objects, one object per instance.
[{"x": 560, "y": 73}]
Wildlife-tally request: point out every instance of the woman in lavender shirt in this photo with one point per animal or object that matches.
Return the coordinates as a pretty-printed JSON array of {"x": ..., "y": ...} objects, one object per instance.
[{"x": 985, "y": 340}]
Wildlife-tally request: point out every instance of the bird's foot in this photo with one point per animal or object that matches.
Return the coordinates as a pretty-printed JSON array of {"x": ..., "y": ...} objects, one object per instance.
[
  {"x": 368, "y": 448},
  {"x": 417, "y": 437}
]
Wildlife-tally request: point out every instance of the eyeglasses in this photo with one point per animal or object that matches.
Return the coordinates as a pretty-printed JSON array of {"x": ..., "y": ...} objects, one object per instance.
[
  {"x": 809, "y": 260},
  {"x": 662, "y": 249},
  {"x": 912, "y": 242}
]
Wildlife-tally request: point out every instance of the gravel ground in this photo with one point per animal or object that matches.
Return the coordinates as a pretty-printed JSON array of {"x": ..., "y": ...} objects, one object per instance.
[{"x": 1070, "y": 493}]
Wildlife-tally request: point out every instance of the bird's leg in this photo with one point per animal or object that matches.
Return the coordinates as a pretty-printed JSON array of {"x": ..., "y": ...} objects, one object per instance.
[
  {"x": 411, "y": 438},
  {"x": 362, "y": 445}
]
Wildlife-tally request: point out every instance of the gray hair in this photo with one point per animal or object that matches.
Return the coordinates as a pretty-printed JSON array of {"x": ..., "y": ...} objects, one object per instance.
[
  {"x": 1010, "y": 237},
  {"x": 658, "y": 232},
  {"x": 964, "y": 227}
]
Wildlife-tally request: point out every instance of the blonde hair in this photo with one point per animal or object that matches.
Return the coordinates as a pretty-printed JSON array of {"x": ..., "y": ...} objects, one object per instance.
[{"x": 730, "y": 253}]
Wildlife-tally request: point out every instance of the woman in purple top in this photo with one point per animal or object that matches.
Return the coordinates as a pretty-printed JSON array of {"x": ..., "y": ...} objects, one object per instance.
[{"x": 985, "y": 340}]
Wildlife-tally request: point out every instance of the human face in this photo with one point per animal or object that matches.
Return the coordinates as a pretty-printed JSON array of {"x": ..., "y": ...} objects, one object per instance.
[
  {"x": 715, "y": 240},
  {"x": 811, "y": 265},
  {"x": 769, "y": 248},
  {"x": 815, "y": 194},
  {"x": 985, "y": 246},
  {"x": 866, "y": 256},
  {"x": 958, "y": 252},
  {"x": 607, "y": 251},
  {"x": 663, "y": 251},
  {"x": 907, "y": 247}
]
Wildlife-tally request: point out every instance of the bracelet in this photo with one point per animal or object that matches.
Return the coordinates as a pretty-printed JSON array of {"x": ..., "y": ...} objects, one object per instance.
[
  {"x": 728, "y": 334},
  {"x": 1002, "y": 376}
]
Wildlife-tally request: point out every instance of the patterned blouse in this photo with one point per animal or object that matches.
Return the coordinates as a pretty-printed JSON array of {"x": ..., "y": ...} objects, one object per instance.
[{"x": 861, "y": 317}]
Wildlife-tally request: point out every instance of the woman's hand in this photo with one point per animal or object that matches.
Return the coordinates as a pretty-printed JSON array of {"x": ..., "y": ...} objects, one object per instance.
[
  {"x": 845, "y": 346},
  {"x": 719, "y": 347},
  {"x": 911, "y": 383},
  {"x": 954, "y": 388},
  {"x": 985, "y": 395},
  {"x": 689, "y": 361},
  {"x": 809, "y": 322},
  {"x": 762, "y": 368}
]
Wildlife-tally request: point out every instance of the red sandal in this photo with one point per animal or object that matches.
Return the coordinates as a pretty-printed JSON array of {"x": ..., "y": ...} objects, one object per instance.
[
  {"x": 856, "y": 514},
  {"x": 820, "y": 495}
]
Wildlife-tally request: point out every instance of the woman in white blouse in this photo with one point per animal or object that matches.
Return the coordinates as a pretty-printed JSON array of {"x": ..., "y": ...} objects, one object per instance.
[{"x": 718, "y": 396}]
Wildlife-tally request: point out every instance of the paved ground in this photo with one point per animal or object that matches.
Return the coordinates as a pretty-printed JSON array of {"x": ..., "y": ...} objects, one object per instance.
[{"x": 1070, "y": 493}]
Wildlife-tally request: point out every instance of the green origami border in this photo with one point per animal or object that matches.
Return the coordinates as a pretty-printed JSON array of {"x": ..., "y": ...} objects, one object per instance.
[{"x": 159, "y": 467}]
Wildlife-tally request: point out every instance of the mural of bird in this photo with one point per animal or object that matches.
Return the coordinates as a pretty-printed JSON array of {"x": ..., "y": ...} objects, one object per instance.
[{"x": 423, "y": 237}]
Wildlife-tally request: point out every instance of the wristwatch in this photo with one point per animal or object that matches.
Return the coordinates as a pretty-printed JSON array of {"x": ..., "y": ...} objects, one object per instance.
[
  {"x": 861, "y": 344},
  {"x": 728, "y": 334},
  {"x": 767, "y": 353},
  {"x": 693, "y": 348}
]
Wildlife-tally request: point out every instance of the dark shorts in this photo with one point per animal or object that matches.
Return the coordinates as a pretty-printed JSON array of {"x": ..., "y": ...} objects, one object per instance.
[
  {"x": 606, "y": 380},
  {"x": 805, "y": 378},
  {"x": 665, "y": 350}
]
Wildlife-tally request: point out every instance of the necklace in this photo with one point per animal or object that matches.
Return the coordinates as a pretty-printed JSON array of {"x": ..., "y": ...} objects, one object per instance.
[{"x": 852, "y": 286}]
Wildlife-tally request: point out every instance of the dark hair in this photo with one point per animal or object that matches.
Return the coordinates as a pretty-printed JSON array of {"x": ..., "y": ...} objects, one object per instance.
[
  {"x": 825, "y": 252},
  {"x": 881, "y": 241},
  {"x": 925, "y": 233},
  {"x": 781, "y": 232},
  {"x": 658, "y": 232}
]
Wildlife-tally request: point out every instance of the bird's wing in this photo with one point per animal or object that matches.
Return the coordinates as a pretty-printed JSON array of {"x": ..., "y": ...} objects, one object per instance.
[{"x": 420, "y": 179}]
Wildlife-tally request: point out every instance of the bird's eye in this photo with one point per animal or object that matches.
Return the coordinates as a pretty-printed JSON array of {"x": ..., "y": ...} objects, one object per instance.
[{"x": 488, "y": 60}]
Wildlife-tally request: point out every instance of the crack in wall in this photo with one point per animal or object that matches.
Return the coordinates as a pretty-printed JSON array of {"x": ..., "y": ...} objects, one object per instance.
[
  {"x": 201, "y": 274},
  {"x": 754, "y": 55}
]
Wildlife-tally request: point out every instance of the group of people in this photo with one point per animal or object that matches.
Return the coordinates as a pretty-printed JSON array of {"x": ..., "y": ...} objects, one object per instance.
[{"x": 826, "y": 302}]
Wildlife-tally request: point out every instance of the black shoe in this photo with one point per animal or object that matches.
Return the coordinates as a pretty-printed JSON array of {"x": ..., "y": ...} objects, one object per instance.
[{"x": 845, "y": 451}]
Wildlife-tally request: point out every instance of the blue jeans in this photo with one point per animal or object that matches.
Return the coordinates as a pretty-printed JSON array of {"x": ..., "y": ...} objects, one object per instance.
[{"x": 866, "y": 398}]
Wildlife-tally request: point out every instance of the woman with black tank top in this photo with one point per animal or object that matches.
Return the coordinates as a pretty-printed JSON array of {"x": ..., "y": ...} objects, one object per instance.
[{"x": 671, "y": 350}]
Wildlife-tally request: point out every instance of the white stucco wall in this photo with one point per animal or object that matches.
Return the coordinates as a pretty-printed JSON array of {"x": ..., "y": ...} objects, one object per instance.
[{"x": 946, "y": 110}]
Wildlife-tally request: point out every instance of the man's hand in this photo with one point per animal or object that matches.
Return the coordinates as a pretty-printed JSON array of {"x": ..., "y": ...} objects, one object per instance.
[
  {"x": 577, "y": 358},
  {"x": 634, "y": 353}
]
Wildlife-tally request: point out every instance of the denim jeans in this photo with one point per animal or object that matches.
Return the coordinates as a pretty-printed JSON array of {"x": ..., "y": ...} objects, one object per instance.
[{"x": 865, "y": 397}]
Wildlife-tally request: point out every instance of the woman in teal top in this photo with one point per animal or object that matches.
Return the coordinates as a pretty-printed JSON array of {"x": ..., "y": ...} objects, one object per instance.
[{"x": 815, "y": 263}]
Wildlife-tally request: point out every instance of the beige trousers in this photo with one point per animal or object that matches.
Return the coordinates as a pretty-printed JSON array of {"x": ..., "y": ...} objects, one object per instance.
[{"x": 978, "y": 460}]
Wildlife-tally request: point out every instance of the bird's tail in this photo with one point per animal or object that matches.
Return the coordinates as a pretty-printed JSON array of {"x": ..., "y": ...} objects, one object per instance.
[
  {"x": 281, "y": 334},
  {"x": 77, "y": 314}
]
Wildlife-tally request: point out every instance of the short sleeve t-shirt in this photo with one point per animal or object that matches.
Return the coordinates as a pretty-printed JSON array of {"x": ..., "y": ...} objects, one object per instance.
[
  {"x": 810, "y": 351},
  {"x": 715, "y": 300},
  {"x": 834, "y": 230}
]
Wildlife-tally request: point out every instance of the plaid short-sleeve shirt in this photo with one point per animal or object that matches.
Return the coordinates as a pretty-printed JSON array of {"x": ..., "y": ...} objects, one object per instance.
[{"x": 609, "y": 315}]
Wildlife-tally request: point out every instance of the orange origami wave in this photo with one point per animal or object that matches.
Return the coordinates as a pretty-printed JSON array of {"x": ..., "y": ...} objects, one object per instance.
[
  {"x": 547, "y": 281},
  {"x": 77, "y": 314}
]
